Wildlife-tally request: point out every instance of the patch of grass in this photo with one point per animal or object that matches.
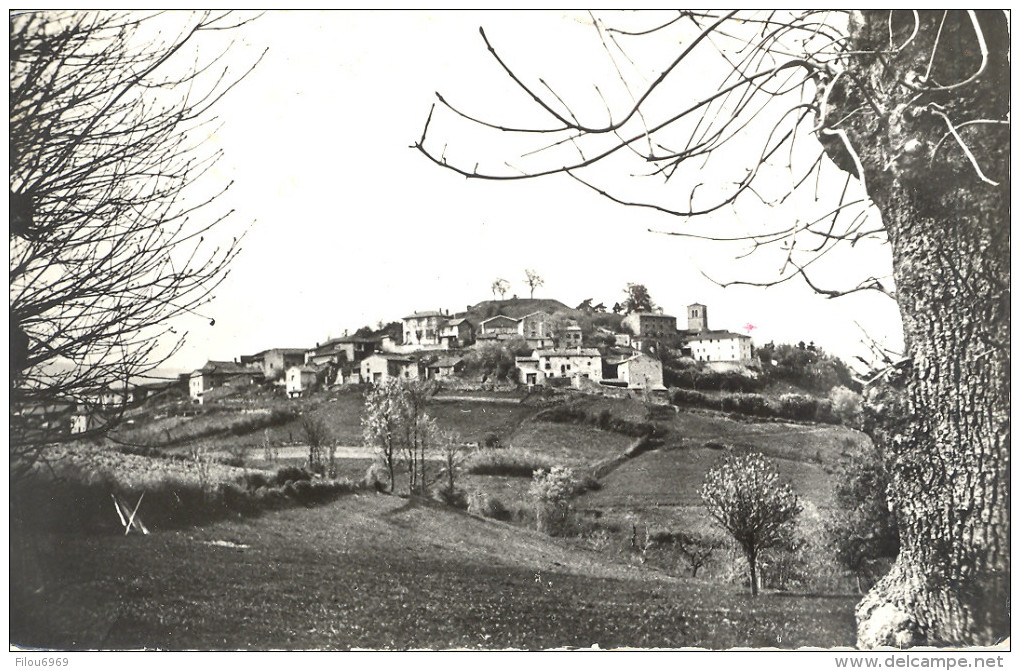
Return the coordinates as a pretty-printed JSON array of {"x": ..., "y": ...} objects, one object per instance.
[
  {"x": 570, "y": 444},
  {"x": 511, "y": 461}
]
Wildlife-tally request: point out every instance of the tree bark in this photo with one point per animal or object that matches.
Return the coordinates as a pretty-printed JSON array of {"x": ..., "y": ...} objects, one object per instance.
[{"x": 941, "y": 418}]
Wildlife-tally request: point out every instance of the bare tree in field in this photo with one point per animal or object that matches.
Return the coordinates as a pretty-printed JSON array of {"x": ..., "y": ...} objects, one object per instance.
[
  {"x": 107, "y": 117},
  {"x": 909, "y": 110},
  {"x": 500, "y": 286},
  {"x": 533, "y": 279}
]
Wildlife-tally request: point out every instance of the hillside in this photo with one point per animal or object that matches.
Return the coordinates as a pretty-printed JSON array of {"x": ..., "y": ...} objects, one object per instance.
[
  {"x": 373, "y": 571},
  {"x": 517, "y": 308}
]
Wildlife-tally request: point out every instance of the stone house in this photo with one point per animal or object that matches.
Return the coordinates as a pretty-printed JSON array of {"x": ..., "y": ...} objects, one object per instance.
[
  {"x": 640, "y": 371},
  {"x": 537, "y": 330},
  {"x": 303, "y": 379},
  {"x": 652, "y": 326},
  {"x": 500, "y": 327},
  {"x": 456, "y": 333},
  {"x": 528, "y": 370},
  {"x": 576, "y": 362},
  {"x": 380, "y": 367},
  {"x": 444, "y": 367},
  {"x": 274, "y": 362},
  {"x": 423, "y": 329},
  {"x": 221, "y": 374},
  {"x": 351, "y": 349},
  {"x": 572, "y": 337}
]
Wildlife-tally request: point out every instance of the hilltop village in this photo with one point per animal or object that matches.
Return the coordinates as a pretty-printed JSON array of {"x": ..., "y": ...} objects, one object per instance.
[{"x": 537, "y": 341}]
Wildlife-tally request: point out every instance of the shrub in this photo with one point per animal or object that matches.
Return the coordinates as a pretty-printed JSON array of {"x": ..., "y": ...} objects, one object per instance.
[
  {"x": 513, "y": 462},
  {"x": 748, "y": 404},
  {"x": 860, "y": 529},
  {"x": 491, "y": 440},
  {"x": 457, "y": 497},
  {"x": 377, "y": 477},
  {"x": 291, "y": 473},
  {"x": 486, "y": 505},
  {"x": 552, "y": 490},
  {"x": 255, "y": 479},
  {"x": 846, "y": 405},
  {"x": 797, "y": 406}
]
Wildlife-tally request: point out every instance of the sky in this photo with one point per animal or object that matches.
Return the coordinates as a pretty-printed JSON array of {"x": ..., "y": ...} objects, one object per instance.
[{"x": 345, "y": 224}]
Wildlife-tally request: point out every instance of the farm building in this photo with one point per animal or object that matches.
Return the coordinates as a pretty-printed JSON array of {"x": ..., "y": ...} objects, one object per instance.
[
  {"x": 501, "y": 327},
  {"x": 577, "y": 362},
  {"x": 444, "y": 367},
  {"x": 351, "y": 349},
  {"x": 379, "y": 368},
  {"x": 274, "y": 362},
  {"x": 636, "y": 370},
  {"x": 528, "y": 370},
  {"x": 648, "y": 327},
  {"x": 303, "y": 379},
  {"x": 537, "y": 330},
  {"x": 572, "y": 337},
  {"x": 221, "y": 374},
  {"x": 456, "y": 333}
]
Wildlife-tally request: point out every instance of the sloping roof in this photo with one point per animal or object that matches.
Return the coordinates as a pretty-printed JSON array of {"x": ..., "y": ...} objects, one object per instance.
[
  {"x": 283, "y": 350},
  {"x": 574, "y": 351},
  {"x": 532, "y": 314},
  {"x": 652, "y": 314},
  {"x": 426, "y": 313},
  {"x": 226, "y": 368},
  {"x": 486, "y": 321},
  {"x": 457, "y": 322},
  {"x": 446, "y": 362},
  {"x": 718, "y": 335},
  {"x": 390, "y": 357}
]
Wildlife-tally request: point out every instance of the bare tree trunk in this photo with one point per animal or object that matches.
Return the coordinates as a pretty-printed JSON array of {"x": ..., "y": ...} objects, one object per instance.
[
  {"x": 942, "y": 419},
  {"x": 752, "y": 564}
]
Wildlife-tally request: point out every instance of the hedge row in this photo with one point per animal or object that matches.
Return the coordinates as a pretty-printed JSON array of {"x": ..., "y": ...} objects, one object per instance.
[
  {"x": 788, "y": 406},
  {"x": 83, "y": 504},
  {"x": 575, "y": 414}
]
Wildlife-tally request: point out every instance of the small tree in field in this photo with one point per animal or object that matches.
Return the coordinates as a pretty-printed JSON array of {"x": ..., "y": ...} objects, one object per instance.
[
  {"x": 746, "y": 498},
  {"x": 551, "y": 491},
  {"x": 500, "y": 286},
  {"x": 317, "y": 435},
  {"x": 533, "y": 280}
]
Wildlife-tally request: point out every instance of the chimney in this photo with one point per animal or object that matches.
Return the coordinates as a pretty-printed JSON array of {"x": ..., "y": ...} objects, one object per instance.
[{"x": 345, "y": 333}]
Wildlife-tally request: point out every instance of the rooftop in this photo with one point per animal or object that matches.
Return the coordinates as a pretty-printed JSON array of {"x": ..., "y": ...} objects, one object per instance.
[
  {"x": 500, "y": 317},
  {"x": 446, "y": 362},
  {"x": 574, "y": 351},
  {"x": 226, "y": 368},
  {"x": 652, "y": 314},
  {"x": 426, "y": 313},
  {"x": 392, "y": 357},
  {"x": 717, "y": 335}
]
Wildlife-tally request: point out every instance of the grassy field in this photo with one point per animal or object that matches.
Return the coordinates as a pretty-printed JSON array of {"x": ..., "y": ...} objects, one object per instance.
[
  {"x": 372, "y": 571},
  {"x": 570, "y": 444}
]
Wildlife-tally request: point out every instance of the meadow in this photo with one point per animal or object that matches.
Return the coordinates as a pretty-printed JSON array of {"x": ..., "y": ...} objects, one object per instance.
[{"x": 381, "y": 572}]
